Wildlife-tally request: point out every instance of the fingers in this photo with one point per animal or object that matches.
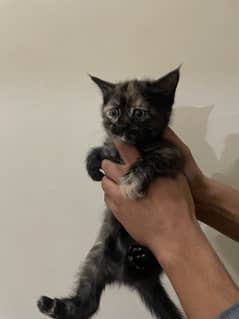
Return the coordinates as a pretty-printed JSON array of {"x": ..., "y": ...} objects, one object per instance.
[
  {"x": 172, "y": 137},
  {"x": 112, "y": 195},
  {"x": 111, "y": 190},
  {"x": 110, "y": 204},
  {"x": 128, "y": 153},
  {"x": 113, "y": 171}
]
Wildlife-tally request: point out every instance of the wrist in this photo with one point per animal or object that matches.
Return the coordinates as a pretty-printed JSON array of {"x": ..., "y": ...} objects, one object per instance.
[
  {"x": 180, "y": 253},
  {"x": 195, "y": 270},
  {"x": 204, "y": 192},
  {"x": 170, "y": 249}
]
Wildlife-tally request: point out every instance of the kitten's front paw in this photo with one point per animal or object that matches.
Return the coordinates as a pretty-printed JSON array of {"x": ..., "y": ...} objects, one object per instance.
[
  {"x": 54, "y": 308},
  {"x": 93, "y": 164},
  {"x": 131, "y": 186}
]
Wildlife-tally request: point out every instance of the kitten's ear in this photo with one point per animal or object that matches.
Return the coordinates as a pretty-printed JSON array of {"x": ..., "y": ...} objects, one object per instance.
[
  {"x": 166, "y": 85},
  {"x": 105, "y": 87}
]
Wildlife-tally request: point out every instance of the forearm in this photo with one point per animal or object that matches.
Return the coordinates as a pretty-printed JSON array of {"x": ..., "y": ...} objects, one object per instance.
[
  {"x": 218, "y": 207},
  {"x": 204, "y": 287}
]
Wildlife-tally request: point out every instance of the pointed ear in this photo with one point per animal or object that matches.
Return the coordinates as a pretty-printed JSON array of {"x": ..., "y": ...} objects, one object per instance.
[
  {"x": 167, "y": 84},
  {"x": 105, "y": 87}
]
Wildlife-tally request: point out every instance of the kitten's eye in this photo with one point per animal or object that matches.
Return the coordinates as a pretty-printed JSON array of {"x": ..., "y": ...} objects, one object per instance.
[
  {"x": 140, "y": 114},
  {"x": 113, "y": 113}
]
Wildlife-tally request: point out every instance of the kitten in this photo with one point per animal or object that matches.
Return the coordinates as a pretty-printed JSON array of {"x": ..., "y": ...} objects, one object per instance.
[{"x": 137, "y": 112}]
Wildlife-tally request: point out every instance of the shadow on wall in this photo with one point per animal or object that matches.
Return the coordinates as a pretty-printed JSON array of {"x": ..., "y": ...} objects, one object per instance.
[
  {"x": 191, "y": 124},
  {"x": 230, "y": 169}
]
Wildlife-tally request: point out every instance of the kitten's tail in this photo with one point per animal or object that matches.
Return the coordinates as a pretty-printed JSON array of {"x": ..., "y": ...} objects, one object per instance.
[{"x": 158, "y": 302}]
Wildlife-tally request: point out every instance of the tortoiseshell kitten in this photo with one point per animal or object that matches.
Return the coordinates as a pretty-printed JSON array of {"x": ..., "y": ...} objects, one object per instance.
[{"x": 137, "y": 112}]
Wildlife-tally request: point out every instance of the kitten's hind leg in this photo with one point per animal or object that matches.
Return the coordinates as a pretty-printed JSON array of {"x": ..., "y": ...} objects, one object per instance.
[
  {"x": 99, "y": 270},
  {"x": 57, "y": 308},
  {"x": 157, "y": 300},
  {"x": 67, "y": 308}
]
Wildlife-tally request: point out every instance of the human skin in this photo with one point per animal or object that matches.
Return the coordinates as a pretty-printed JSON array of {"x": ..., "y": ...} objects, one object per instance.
[
  {"x": 171, "y": 231},
  {"x": 217, "y": 204}
]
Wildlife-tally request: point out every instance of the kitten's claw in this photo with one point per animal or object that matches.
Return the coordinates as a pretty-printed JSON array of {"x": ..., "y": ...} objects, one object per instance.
[
  {"x": 130, "y": 186},
  {"x": 54, "y": 308}
]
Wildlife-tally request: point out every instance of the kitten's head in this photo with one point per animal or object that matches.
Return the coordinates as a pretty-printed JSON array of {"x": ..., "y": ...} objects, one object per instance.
[{"x": 138, "y": 111}]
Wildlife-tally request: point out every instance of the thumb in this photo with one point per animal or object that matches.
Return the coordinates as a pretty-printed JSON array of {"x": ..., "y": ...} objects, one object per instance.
[{"x": 128, "y": 153}]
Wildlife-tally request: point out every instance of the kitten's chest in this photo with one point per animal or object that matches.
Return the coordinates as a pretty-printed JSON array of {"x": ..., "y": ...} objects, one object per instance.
[{"x": 112, "y": 153}]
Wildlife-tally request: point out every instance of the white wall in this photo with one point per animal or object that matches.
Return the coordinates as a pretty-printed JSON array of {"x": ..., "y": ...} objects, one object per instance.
[{"x": 49, "y": 118}]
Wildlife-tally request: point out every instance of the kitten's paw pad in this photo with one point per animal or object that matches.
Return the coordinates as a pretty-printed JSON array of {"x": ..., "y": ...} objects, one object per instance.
[
  {"x": 130, "y": 186},
  {"x": 141, "y": 259},
  {"x": 54, "y": 308},
  {"x": 136, "y": 257}
]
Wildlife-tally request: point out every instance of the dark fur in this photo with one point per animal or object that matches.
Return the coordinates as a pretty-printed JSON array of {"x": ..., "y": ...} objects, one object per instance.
[{"x": 116, "y": 257}]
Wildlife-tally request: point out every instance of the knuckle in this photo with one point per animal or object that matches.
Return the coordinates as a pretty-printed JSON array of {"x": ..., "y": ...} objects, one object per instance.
[
  {"x": 104, "y": 183},
  {"x": 106, "y": 199},
  {"x": 118, "y": 200},
  {"x": 109, "y": 203}
]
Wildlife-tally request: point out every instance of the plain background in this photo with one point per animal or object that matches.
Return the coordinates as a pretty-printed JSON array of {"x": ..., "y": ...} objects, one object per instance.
[{"x": 49, "y": 118}]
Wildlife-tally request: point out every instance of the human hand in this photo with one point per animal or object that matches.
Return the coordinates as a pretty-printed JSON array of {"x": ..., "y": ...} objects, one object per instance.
[
  {"x": 196, "y": 179},
  {"x": 164, "y": 221},
  {"x": 162, "y": 216}
]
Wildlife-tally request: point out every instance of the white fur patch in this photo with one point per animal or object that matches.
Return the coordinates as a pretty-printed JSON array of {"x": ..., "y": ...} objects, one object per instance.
[
  {"x": 123, "y": 138},
  {"x": 130, "y": 186}
]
